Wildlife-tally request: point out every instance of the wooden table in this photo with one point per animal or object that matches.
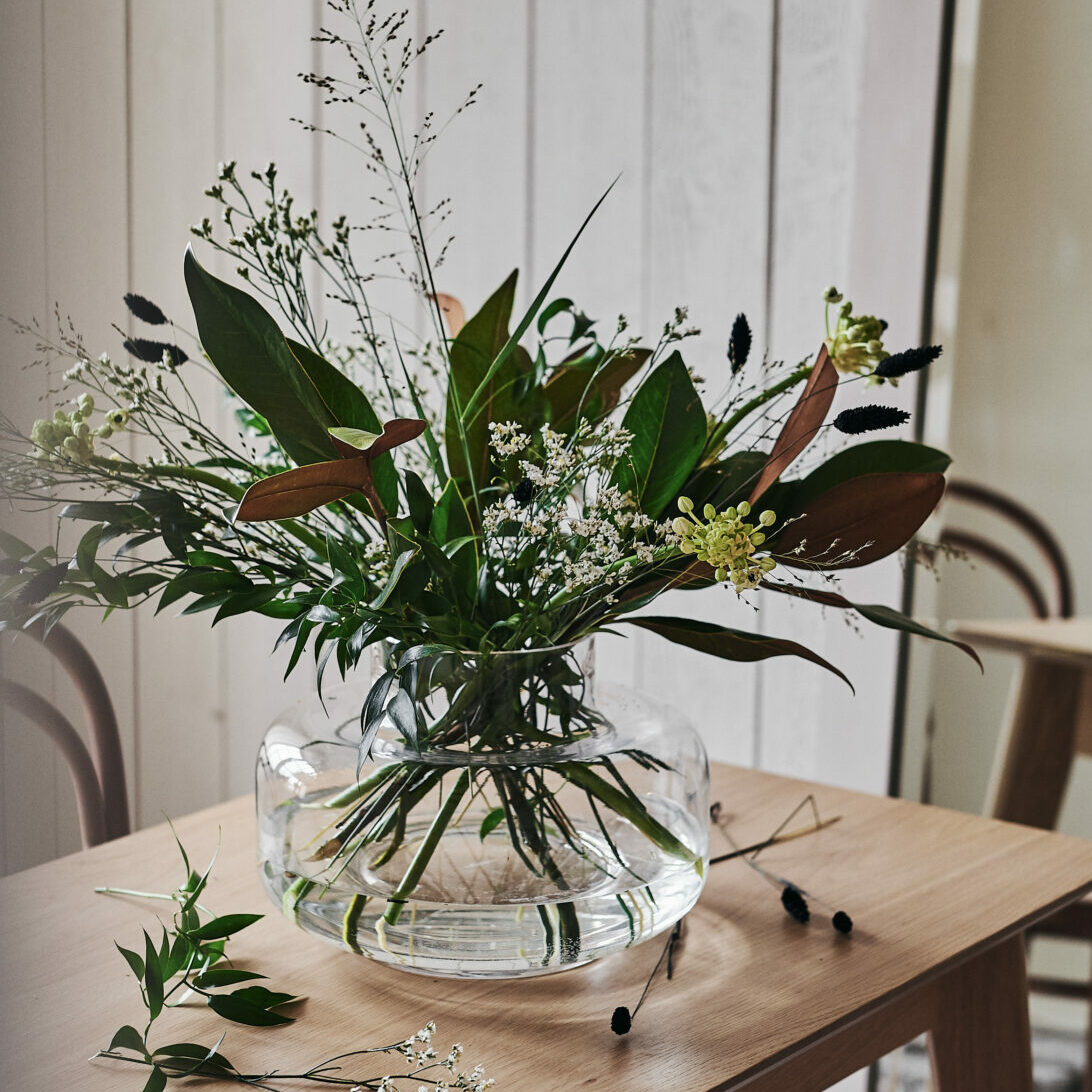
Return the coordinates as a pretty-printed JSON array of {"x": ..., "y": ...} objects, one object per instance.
[
  {"x": 1050, "y": 720},
  {"x": 757, "y": 1002}
]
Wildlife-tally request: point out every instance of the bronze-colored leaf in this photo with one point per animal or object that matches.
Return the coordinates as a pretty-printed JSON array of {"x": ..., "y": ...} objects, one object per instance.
[
  {"x": 395, "y": 433},
  {"x": 453, "y": 312},
  {"x": 858, "y": 521},
  {"x": 295, "y": 492},
  {"x": 803, "y": 423}
]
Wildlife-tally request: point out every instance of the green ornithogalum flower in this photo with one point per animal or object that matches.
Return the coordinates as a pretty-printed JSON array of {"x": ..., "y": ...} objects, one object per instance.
[
  {"x": 725, "y": 541},
  {"x": 855, "y": 344},
  {"x": 66, "y": 437}
]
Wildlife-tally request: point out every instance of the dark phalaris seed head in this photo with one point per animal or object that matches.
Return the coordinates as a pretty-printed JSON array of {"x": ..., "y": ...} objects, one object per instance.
[
  {"x": 620, "y": 1020},
  {"x": 739, "y": 344},
  {"x": 842, "y": 922},
  {"x": 152, "y": 352},
  {"x": 144, "y": 309},
  {"x": 869, "y": 418},
  {"x": 910, "y": 360},
  {"x": 796, "y": 906}
]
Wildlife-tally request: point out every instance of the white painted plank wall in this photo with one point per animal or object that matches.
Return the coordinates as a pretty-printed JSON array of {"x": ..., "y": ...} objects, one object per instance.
[{"x": 675, "y": 95}]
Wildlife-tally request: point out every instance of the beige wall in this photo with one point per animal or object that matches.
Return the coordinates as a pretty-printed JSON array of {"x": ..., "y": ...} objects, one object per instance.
[{"x": 1012, "y": 400}]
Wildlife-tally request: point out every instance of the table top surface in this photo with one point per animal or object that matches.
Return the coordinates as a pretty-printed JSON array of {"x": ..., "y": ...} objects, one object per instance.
[
  {"x": 926, "y": 887},
  {"x": 1050, "y": 638}
]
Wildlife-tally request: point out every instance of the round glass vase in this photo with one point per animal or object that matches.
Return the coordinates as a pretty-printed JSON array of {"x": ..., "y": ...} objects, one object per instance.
[{"x": 483, "y": 816}]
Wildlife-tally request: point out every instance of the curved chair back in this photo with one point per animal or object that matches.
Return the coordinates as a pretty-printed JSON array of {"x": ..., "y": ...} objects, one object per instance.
[
  {"x": 98, "y": 771},
  {"x": 1059, "y": 602}
]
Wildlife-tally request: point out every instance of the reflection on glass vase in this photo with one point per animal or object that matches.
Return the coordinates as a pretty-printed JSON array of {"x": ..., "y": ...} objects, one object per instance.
[{"x": 483, "y": 815}]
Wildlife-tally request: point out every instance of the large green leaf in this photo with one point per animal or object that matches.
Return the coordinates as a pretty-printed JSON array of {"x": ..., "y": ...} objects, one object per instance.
[
  {"x": 472, "y": 355},
  {"x": 729, "y": 644},
  {"x": 350, "y": 406},
  {"x": 668, "y": 425},
  {"x": 247, "y": 348},
  {"x": 587, "y": 388}
]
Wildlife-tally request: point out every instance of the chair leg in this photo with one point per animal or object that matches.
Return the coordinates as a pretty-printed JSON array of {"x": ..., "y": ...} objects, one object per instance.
[{"x": 982, "y": 1036}]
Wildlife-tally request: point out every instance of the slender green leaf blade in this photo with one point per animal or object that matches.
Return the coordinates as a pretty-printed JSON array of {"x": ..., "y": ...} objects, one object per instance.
[{"x": 224, "y": 926}]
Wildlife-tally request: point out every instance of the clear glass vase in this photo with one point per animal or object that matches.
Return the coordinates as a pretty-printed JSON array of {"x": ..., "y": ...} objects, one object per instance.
[{"x": 484, "y": 816}]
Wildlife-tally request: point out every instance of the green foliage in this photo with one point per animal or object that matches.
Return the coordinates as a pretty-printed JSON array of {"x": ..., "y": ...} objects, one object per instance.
[{"x": 668, "y": 425}]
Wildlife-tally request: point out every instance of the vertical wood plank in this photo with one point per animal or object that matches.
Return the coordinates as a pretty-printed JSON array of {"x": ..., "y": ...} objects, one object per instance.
[
  {"x": 27, "y": 787},
  {"x": 708, "y": 187},
  {"x": 173, "y": 122},
  {"x": 87, "y": 256},
  {"x": 265, "y": 44},
  {"x": 588, "y": 126},
  {"x": 853, "y": 161},
  {"x": 480, "y": 162}
]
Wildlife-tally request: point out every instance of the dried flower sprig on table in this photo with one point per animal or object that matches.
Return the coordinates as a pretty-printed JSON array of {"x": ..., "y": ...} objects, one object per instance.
[{"x": 190, "y": 961}]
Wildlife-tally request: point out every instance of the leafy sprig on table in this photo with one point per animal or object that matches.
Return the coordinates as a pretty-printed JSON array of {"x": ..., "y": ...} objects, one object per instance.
[{"x": 190, "y": 961}]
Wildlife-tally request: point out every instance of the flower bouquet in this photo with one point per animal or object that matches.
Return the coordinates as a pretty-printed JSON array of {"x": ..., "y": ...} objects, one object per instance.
[{"x": 450, "y": 519}]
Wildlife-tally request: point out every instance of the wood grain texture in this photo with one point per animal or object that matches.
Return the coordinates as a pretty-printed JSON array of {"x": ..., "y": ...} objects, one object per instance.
[{"x": 929, "y": 890}]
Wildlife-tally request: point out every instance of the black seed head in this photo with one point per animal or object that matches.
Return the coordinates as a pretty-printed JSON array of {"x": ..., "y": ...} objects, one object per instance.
[
  {"x": 739, "y": 344},
  {"x": 152, "y": 352},
  {"x": 620, "y": 1020},
  {"x": 911, "y": 360},
  {"x": 842, "y": 922},
  {"x": 523, "y": 493},
  {"x": 144, "y": 309},
  {"x": 868, "y": 419},
  {"x": 795, "y": 904}
]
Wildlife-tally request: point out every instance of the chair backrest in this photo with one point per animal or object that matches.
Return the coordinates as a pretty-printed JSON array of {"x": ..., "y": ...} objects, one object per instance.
[
  {"x": 98, "y": 771},
  {"x": 1059, "y": 602}
]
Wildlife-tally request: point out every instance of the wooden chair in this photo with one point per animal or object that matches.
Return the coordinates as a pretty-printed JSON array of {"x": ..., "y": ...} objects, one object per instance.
[
  {"x": 1050, "y": 721},
  {"x": 98, "y": 772}
]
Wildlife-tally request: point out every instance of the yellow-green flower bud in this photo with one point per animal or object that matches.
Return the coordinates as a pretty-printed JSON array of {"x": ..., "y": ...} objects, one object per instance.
[
  {"x": 686, "y": 505},
  {"x": 682, "y": 526},
  {"x": 709, "y": 511},
  {"x": 768, "y": 518}
]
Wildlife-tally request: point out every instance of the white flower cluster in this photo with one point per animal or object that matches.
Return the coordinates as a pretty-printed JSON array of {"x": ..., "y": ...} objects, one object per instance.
[
  {"x": 507, "y": 438},
  {"x": 588, "y": 531},
  {"x": 418, "y": 1052}
]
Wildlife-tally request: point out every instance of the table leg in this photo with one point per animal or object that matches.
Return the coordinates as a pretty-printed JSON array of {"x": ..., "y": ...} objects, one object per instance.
[
  {"x": 981, "y": 1040},
  {"x": 1034, "y": 764}
]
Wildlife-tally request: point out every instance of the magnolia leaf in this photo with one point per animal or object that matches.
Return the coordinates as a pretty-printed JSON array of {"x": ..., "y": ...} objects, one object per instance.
[
  {"x": 247, "y": 348},
  {"x": 589, "y": 389},
  {"x": 356, "y": 438},
  {"x": 803, "y": 423},
  {"x": 874, "y": 612},
  {"x": 295, "y": 492},
  {"x": 453, "y": 312},
  {"x": 668, "y": 425},
  {"x": 858, "y": 521},
  {"x": 473, "y": 354},
  {"x": 729, "y": 644}
]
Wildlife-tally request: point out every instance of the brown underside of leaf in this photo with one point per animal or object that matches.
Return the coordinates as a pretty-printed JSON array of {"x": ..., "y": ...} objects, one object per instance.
[
  {"x": 803, "y": 423},
  {"x": 858, "y": 521},
  {"x": 298, "y": 491}
]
